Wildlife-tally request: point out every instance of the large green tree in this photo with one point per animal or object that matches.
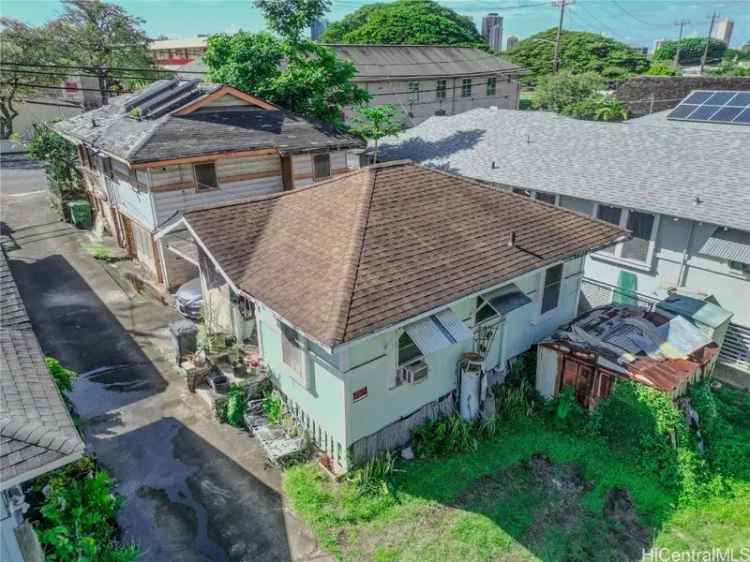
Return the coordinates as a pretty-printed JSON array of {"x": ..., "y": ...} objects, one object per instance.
[
  {"x": 416, "y": 22},
  {"x": 580, "y": 51},
  {"x": 691, "y": 50},
  {"x": 302, "y": 76},
  {"x": 21, "y": 47},
  {"x": 289, "y": 18},
  {"x": 102, "y": 38}
]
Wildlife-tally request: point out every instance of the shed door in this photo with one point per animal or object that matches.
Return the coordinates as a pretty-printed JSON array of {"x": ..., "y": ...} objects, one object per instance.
[{"x": 580, "y": 375}]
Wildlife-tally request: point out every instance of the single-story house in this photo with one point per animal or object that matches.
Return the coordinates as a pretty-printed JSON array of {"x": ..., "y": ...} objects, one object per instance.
[
  {"x": 365, "y": 291},
  {"x": 37, "y": 434},
  {"x": 680, "y": 186},
  {"x": 178, "y": 144},
  {"x": 623, "y": 342}
]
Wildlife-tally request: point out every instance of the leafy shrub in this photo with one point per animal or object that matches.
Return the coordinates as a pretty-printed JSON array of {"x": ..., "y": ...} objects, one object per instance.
[
  {"x": 555, "y": 92},
  {"x": 374, "y": 476},
  {"x": 445, "y": 436},
  {"x": 78, "y": 517},
  {"x": 273, "y": 407},
  {"x": 514, "y": 401},
  {"x": 663, "y": 69},
  {"x": 729, "y": 69},
  {"x": 597, "y": 107},
  {"x": 234, "y": 410},
  {"x": 565, "y": 412},
  {"x": 64, "y": 378}
]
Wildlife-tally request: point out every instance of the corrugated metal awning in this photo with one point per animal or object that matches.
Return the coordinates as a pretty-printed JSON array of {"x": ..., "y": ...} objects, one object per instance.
[
  {"x": 732, "y": 245},
  {"x": 438, "y": 331}
]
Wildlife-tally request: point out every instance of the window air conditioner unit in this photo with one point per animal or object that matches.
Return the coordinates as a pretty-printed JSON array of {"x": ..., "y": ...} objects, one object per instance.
[{"x": 416, "y": 372}]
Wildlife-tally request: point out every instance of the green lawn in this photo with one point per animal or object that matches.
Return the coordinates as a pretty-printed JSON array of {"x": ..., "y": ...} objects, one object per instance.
[{"x": 531, "y": 493}]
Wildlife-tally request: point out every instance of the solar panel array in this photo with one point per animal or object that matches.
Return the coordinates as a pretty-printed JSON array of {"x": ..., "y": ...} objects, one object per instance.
[{"x": 706, "y": 106}]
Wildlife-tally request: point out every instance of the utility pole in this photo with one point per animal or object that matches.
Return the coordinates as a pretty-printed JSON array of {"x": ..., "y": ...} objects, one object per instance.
[
  {"x": 681, "y": 24},
  {"x": 556, "y": 58},
  {"x": 708, "y": 40}
]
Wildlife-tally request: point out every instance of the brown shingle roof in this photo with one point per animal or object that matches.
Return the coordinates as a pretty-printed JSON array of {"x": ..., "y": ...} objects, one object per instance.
[{"x": 371, "y": 248}]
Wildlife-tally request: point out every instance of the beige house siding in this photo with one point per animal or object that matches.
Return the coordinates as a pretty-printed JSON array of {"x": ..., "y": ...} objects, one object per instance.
[
  {"x": 173, "y": 187},
  {"x": 302, "y": 167},
  {"x": 417, "y": 108}
]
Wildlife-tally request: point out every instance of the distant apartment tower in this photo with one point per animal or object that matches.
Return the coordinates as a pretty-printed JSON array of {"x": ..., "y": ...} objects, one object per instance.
[
  {"x": 658, "y": 43},
  {"x": 492, "y": 30},
  {"x": 723, "y": 30},
  {"x": 511, "y": 42},
  {"x": 317, "y": 28}
]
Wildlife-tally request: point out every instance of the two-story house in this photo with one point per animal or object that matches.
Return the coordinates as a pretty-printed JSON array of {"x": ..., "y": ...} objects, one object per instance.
[
  {"x": 367, "y": 290},
  {"x": 682, "y": 188},
  {"x": 182, "y": 143},
  {"x": 426, "y": 80}
]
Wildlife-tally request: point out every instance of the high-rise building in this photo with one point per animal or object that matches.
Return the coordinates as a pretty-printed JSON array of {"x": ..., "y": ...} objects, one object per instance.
[
  {"x": 511, "y": 42},
  {"x": 723, "y": 30},
  {"x": 658, "y": 43},
  {"x": 492, "y": 30},
  {"x": 317, "y": 28}
]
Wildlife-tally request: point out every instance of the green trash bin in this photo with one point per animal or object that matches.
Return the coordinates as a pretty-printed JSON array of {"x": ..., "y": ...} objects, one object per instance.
[{"x": 80, "y": 213}]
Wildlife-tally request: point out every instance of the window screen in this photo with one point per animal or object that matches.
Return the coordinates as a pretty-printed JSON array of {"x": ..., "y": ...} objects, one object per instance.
[
  {"x": 413, "y": 91},
  {"x": 552, "y": 279},
  {"x": 466, "y": 88},
  {"x": 291, "y": 352},
  {"x": 205, "y": 176},
  {"x": 610, "y": 215},
  {"x": 321, "y": 166},
  {"x": 642, "y": 226}
]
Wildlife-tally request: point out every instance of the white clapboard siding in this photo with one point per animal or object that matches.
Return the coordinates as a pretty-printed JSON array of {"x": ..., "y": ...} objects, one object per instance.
[
  {"x": 134, "y": 202},
  {"x": 169, "y": 202}
]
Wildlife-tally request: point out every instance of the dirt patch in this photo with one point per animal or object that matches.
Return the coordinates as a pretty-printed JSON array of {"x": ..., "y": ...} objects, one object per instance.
[{"x": 542, "y": 506}]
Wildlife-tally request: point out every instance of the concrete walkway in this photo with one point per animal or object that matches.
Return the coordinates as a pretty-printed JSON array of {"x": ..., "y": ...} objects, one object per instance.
[{"x": 194, "y": 490}]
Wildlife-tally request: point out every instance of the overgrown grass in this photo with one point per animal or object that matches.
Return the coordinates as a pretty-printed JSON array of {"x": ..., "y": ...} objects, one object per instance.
[
  {"x": 420, "y": 514},
  {"x": 98, "y": 251}
]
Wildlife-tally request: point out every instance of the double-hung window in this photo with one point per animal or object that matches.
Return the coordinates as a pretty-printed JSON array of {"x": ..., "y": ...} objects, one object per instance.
[
  {"x": 466, "y": 88},
  {"x": 291, "y": 348},
  {"x": 413, "y": 91},
  {"x": 441, "y": 89},
  {"x": 551, "y": 292},
  {"x": 205, "y": 176},
  {"x": 643, "y": 226},
  {"x": 491, "y": 86}
]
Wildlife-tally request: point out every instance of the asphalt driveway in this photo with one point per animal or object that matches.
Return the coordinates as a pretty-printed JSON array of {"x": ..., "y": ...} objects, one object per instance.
[{"x": 194, "y": 490}]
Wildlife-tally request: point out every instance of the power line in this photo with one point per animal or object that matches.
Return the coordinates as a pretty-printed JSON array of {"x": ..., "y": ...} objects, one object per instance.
[
  {"x": 639, "y": 20},
  {"x": 89, "y": 68}
]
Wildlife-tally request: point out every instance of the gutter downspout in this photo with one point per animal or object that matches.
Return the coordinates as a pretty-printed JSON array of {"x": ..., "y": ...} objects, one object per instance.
[{"x": 685, "y": 256}]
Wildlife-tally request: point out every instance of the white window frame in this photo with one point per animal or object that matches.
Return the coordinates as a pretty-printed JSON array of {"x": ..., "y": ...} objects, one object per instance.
[
  {"x": 540, "y": 291},
  {"x": 617, "y": 256},
  {"x": 466, "y": 87},
  {"x": 399, "y": 378},
  {"x": 491, "y": 86}
]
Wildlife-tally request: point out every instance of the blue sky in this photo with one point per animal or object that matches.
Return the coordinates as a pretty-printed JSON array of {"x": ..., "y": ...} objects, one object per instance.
[{"x": 638, "y": 22}]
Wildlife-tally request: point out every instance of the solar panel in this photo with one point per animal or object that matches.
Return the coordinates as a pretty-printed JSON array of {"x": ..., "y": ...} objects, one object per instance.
[{"x": 709, "y": 106}]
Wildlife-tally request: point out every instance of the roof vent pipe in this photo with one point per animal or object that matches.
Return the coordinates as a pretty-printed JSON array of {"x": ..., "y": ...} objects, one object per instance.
[
  {"x": 512, "y": 239},
  {"x": 494, "y": 165}
]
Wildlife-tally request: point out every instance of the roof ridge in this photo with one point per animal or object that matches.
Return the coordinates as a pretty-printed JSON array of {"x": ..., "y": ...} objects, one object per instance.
[{"x": 342, "y": 306}]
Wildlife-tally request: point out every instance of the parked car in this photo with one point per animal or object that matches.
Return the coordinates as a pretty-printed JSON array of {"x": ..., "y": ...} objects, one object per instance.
[{"x": 189, "y": 299}]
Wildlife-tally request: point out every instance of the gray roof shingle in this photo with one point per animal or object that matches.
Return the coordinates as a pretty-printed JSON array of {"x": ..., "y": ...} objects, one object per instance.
[
  {"x": 209, "y": 130},
  {"x": 657, "y": 168},
  {"x": 36, "y": 429}
]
